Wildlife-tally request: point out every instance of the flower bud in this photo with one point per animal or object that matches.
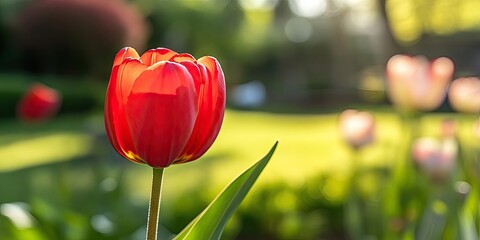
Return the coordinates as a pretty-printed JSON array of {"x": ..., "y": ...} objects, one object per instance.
[
  {"x": 436, "y": 158},
  {"x": 357, "y": 127},
  {"x": 38, "y": 103},
  {"x": 163, "y": 108}
]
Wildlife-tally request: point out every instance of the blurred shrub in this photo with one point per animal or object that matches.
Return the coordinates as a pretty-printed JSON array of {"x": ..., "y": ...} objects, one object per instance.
[
  {"x": 76, "y": 36},
  {"x": 100, "y": 207},
  {"x": 273, "y": 211},
  {"x": 57, "y": 210},
  {"x": 80, "y": 96}
]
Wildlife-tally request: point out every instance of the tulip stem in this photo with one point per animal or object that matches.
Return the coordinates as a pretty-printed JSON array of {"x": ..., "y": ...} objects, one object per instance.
[{"x": 154, "y": 207}]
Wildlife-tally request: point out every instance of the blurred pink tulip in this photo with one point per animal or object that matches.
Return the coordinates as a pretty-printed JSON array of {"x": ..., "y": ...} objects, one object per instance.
[
  {"x": 414, "y": 83},
  {"x": 357, "y": 127},
  {"x": 38, "y": 103},
  {"x": 464, "y": 95},
  {"x": 435, "y": 157}
]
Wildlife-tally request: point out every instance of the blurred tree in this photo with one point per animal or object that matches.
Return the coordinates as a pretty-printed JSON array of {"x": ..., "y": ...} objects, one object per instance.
[
  {"x": 410, "y": 20},
  {"x": 76, "y": 36},
  {"x": 437, "y": 28}
]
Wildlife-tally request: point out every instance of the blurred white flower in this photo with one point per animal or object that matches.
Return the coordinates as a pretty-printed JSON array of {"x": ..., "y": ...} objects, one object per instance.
[
  {"x": 17, "y": 213},
  {"x": 357, "y": 127},
  {"x": 435, "y": 157},
  {"x": 102, "y": 224},
  {"x": 464, "y": 95},
  {"x": 414, "y": 83}
]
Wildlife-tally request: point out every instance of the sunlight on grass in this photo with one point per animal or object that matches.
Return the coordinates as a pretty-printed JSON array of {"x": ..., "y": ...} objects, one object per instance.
[
  {"x": 309, "y": 145},
  {"x": 55, "y": 147}
]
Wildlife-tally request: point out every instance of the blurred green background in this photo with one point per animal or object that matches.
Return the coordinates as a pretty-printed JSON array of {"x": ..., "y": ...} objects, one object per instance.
[{"x": 291, "y": 67}]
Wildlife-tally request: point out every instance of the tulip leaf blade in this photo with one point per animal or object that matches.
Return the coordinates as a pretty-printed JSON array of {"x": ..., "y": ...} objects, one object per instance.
[{"x": 210, "y": 223}]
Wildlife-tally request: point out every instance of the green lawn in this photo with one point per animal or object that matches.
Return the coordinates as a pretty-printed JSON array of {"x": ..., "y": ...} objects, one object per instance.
[{"x": 309, "y": 146}]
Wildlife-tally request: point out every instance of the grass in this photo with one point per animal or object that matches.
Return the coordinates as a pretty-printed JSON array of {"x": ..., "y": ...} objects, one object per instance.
[
  {"x": 73, "y": 145},
  {"x": 309, "y": 145}
]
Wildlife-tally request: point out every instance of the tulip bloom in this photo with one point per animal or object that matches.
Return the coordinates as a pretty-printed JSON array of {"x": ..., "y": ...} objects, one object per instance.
[
  {"x": 416, "y": 84},
  {"x": 38, "y": 103},
  {"x": 163, "y": 108},
  {"x": 436, "y": 158},
  {"x": 357, "y": 127},
  {"x": 464, "y": 95}
]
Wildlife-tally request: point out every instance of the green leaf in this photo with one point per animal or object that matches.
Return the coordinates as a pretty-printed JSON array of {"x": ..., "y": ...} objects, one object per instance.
[
  {"x": 210, "y": 223},
  {"x": 468, "y": 229}
]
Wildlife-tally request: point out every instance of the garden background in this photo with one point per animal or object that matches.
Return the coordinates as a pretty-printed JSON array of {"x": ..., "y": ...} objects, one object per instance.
[{"x": 291, "y": 67}]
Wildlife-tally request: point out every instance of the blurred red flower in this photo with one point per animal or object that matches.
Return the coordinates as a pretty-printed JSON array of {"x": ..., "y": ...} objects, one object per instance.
[
  {"x": 163, "y": 108},
  {"x": 38, "y": 103}
]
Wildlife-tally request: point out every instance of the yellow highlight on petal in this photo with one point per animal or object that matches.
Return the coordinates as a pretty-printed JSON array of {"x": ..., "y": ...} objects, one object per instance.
[
  {"x": 134, "y": 157},
  {"x": 183, "y": 159}
]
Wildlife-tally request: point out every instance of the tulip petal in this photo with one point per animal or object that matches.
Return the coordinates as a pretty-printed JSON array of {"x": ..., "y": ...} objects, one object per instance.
[
  {"x": 182, "y": 57},
  {"x": 118, "y": 131},
  {"x": 197, "y": 72},
  {"x": 153, "y": 56},
  {"x": 161, "y": 112},
  {"x": 440, "y": 72},
  {"x": 124, "y": 53},
  {"x": 401, "y": 66},
  {"x": 211, "y": 111},
  {"x": 442, "y": 68},
  {"x": 128, "y": 72}
]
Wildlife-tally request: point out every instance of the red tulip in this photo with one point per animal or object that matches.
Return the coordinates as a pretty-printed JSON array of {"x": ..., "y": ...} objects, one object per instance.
[
  {"x": 416, "y": 84},
  {"x": 163, "y": 108},
  {"x": 39, "y": 103}
]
